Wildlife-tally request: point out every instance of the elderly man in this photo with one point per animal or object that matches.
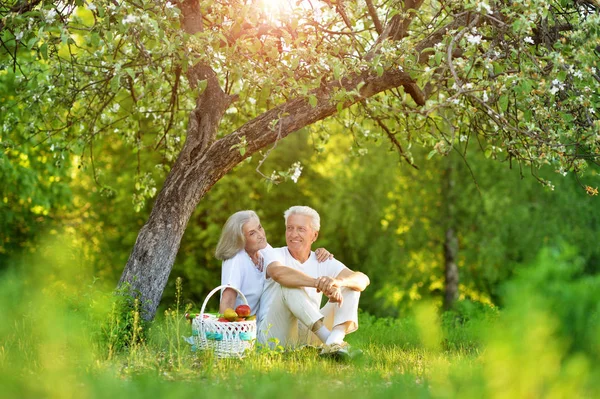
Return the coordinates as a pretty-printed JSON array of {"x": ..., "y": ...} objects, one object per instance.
[{"x": 295, "y": 283}]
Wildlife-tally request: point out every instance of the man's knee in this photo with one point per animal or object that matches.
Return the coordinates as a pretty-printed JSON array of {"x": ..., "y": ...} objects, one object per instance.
[
  {"x": 293, "y": 294},
  {"x": 349, "y": 294}
]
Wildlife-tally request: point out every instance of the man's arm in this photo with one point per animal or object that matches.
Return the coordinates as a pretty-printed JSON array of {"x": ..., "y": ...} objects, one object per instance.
[
  {"x": 356, "y": 281},
  {"x": 289, "y": 277}
]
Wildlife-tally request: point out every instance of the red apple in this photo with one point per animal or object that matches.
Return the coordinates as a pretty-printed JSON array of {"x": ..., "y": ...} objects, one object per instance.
[
  {"x": 243, "y": 310},
  {"x": 224, "y": 320}
]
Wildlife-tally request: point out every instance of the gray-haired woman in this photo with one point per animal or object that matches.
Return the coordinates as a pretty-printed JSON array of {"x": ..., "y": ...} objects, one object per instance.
[{"x": 239, "y": 247}]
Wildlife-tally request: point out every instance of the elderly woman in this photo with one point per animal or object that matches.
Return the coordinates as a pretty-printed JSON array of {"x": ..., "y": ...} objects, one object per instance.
[{"x": 239, "y": 248}]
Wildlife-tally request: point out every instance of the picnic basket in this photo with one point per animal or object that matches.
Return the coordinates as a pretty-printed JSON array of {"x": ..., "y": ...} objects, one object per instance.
[{"x": 226, "y": 339}]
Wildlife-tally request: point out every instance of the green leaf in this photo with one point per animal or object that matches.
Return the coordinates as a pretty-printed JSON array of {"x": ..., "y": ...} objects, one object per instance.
[
  {"x": 115, "y": 83},
  {"x": 44, "y": 51},
  {"x": 130, "y": 72},
  {"x": 312, "y": 100},
  {"x": 498, "y": 68},
  {"x": 526, "y": 86},
  {"x": 438, "y": 58},
  {"x": 202, "y": 86},
  {"x": 503, "y": 102},
  {"x": 95, "y": 39},
  {"x": 263, "y": 96},
  {"x": 336, "y": 72},
  {"x": 31, "y": 42}
]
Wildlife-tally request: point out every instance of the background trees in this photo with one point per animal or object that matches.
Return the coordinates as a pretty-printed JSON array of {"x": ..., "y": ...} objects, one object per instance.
[{"x": 517, "y": 79}]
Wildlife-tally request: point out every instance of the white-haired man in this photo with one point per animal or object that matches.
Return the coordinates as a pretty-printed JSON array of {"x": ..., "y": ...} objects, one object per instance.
[{"x": 295, "y": 283}]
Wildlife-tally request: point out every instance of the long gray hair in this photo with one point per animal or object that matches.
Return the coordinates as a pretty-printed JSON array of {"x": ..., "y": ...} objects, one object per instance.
[{"x": 232, "y": 237}]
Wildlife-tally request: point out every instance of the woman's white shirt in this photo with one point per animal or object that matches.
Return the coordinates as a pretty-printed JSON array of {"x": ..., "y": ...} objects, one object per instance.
[{"x": 240, "y": 272}]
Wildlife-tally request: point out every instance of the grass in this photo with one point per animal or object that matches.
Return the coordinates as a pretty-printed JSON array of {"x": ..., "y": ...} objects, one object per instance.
[
  {"x": 63, "y": 337},
  {"x": 63, "y": 343},
  {"x": 63, "y": 359}
]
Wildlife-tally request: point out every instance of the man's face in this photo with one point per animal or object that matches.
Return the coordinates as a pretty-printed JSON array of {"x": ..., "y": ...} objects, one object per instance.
[
  {"x": 299, "y": 235},
  {"x": 255, "y": 236}
]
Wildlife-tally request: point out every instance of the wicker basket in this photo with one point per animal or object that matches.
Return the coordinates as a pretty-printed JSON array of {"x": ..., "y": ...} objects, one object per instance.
[{"x": 226, "y": 339}]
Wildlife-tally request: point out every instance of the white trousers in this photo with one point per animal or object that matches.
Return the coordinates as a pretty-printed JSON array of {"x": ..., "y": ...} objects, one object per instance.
[{"x": 292, "y": 315}]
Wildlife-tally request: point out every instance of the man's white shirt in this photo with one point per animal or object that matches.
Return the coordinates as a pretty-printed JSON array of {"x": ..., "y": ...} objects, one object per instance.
[{"x": 311, "y": 267}]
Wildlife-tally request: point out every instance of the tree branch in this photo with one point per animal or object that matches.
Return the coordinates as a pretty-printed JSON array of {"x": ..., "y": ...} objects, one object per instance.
[
  {"x": 374, "y": 17},
  {"x": 21, "y": 8},
  {"x": 392, "y": 138},
  {"x": 397, "y": 29}
]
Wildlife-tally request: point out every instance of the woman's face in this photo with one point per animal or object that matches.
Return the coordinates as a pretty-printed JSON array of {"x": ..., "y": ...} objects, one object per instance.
[{"x": 255, "y": 236}]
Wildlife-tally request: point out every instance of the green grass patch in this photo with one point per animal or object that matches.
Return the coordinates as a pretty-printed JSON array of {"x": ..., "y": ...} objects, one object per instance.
[{"x": 64, "y": 337}]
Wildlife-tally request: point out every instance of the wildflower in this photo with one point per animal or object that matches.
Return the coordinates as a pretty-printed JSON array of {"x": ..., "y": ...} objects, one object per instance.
[
  {"x": 169, "y": 5},
  {"x": 297, "y": 172},
  {"x": 591, "y": 190},
  {"x": 19, "y": 36},
  {"x": 578, "y": 74},
  {"x": 91, "y": 7},
  {"x": 474, "y": 39},
  {"x": 50, "y": 16},
  {"x": 484, "y": 6},
  {"x": 130, "y": 19},
  {"x": 592, "y": 110},
  {"x": 529, "y": 40}
]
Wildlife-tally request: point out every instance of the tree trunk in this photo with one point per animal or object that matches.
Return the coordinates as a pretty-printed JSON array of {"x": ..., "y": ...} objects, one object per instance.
[
  {"x": 450, "y": 269},
  {"x": 451, "y": 276},
  {"x": 192, "y": 175}
]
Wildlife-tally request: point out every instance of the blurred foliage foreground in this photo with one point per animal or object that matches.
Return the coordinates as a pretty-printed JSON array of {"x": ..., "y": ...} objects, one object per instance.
[{"x": 64, "y": 336}]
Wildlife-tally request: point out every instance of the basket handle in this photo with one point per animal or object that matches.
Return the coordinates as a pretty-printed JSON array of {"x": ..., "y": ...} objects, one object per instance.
[{"x": 210, "y": 294}]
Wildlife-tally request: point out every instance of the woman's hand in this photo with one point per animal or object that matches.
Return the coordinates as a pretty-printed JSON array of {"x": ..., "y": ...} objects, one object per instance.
[{"x": 323, "y": 254}]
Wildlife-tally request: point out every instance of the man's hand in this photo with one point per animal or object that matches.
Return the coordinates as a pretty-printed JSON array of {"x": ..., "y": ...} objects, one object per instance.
[
  {"x": 335, "y": 296},
  {"x": 326, "y": 284}
]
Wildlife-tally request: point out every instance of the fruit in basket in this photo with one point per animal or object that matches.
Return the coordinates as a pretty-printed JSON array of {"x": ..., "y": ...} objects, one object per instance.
[
  {"x": 240, "y": 319},
  {"x": 191, "y": 316},
  {"x": 230, "y": 314},
  {"x": 223, "y": 320},
  {"x": 251, "y": 317},
  {"x": 243, "y": 310}
]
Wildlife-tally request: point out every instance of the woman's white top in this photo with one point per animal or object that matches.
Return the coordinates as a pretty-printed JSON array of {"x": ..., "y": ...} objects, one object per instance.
[{"x": 240, "y": 272}]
